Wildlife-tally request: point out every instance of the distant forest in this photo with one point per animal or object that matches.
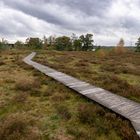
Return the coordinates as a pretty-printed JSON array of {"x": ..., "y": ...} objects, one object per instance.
[{"x": 62, "y": 43}]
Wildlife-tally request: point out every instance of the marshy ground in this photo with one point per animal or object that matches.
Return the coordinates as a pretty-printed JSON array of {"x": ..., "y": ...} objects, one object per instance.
[{"x": 34, "y": 106}]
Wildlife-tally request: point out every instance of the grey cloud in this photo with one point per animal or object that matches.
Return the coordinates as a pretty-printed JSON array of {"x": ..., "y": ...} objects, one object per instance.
[
  {"x": 67, "y": 16},
  {"x": 88, "y": 7},
  {"x": 32, "y": 9}
]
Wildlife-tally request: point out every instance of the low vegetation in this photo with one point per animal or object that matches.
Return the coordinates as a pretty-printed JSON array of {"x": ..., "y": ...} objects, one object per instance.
[
  {"x": 18, "y": 126},
  {"x": 35, "y": 107},
  {"x": 112, "y": 70}
]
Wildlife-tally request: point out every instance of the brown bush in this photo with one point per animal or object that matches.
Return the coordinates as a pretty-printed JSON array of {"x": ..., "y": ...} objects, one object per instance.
[
  {"x": 101, "y": 53},
  {"x": 127, "y": 132},
  {"x": 130, "y": 70},
  {"x": 1, "y": 62},
  {"x": 27, "y": 84},
  {"x": 81, "y": 133},
  {"x": 87, "y": 113},
  {"x": 18, "y": 60},
  {"x": 117, "y": 85},
  {"x": 26, "y": 67},
  {"x": 112, "y": 81},
  {"x": 82, "y": 63},
  {"x": 24, "y": 85},
  {"x": 109, "y": 68},
  {"x": 63, "y": 111},
  {"x": 16, "y": 126},
  {"x": 58, "y": 97},
  {"x": 20, "y": 97},
  {"x": 35, "y": 92}
]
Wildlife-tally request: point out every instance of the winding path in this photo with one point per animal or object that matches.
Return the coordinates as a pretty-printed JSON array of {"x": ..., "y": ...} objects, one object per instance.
[{"x": 123, "y": 106}]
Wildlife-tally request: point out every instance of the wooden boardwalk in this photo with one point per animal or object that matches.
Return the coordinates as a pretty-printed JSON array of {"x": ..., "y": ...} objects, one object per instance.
[{"x": 123, "y": 106}]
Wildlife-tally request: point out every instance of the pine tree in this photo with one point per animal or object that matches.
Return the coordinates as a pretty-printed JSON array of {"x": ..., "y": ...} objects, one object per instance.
[
  {"x": 120, "y": 48},
  {"x": 138, "y": 45},
  {"x": 121, "y": 43}
]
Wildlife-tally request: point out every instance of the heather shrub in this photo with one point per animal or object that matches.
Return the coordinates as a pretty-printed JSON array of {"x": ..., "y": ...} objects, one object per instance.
[
  {"x": 81, "y": 133},
  {"x": 35, "y": 92},
  {"x": 23, "y": 85},
  {"x": 82, "y": 63},
  {"x": 101, "y": 53},
  {"x": 117, "y": 85},
  {"x": 63, "y": 111},
  {"x": 21, "y": 97},
  {"x": 16, "y": 126},
  {"x": 87, "y": 113},
  {"x": 26, "y": 84},
  {"x": 58, "y": 97},
  {"x": 1, "y": 62}
]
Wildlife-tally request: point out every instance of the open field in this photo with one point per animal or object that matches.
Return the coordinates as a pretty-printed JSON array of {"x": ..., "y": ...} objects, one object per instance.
[
  {"x": 33, "y": 106},
  {"x": 118, "y": 73}
]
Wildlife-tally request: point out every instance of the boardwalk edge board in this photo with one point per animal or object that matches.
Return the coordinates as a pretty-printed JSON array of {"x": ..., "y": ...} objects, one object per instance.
[{"x": 120, "y": 105}]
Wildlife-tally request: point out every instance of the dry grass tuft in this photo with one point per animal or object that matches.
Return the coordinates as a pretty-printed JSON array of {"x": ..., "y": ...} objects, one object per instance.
[
  {"x": 20, "y": 97},
  {"x": 63, "y": 111},
  {"x": 26, "y": 84},
  {"x": 16, "y": 126},
  {"x": 1, "y": 62},
  {"x": 87, "y": 113},
  {"x": 101, "y": 53}
]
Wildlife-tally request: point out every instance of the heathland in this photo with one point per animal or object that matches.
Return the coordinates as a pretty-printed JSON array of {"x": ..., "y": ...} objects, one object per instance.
[{"x": 34, "y": 106}]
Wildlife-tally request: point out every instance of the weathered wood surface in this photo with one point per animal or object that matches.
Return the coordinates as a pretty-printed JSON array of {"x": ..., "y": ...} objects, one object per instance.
[{"x": 123, "y": 106}]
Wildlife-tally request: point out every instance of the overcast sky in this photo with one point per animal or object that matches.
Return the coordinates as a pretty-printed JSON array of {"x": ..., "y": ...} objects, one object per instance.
[{"x": 108, "y": 20}]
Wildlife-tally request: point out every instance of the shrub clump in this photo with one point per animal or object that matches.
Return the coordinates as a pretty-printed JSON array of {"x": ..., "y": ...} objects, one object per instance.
[
  {"x": 86, "y": 113},
  {"x": 23, "y": 85},
  {"x": 59, "y": 97},
  {"x": 27, "y": 84},
  {"x": 101, "y": 53},
  {"x": 63, "y": 111},
  {"x": 117, "y": 85},
  {"x": 16, "y": 126},
  {"x": 1, "y": 62},
  {"x": 21, "y": 97}
]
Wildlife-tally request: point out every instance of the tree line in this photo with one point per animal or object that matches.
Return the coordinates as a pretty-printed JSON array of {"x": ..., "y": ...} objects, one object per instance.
[{"x": 62, "y": 43}]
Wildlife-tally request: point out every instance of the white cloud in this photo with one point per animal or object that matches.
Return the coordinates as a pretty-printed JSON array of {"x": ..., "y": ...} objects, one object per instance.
[{"x": 108, "y": 20}]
